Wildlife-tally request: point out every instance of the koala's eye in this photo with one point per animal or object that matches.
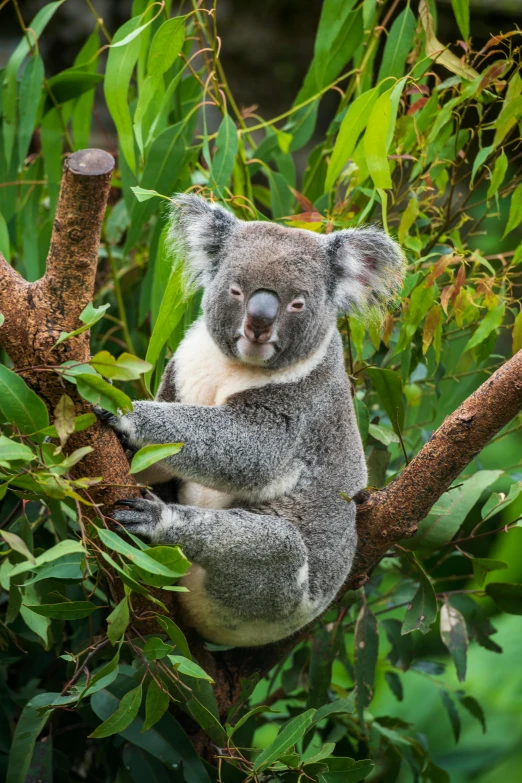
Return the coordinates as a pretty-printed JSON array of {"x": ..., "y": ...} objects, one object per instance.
[
  {"x": 296, "y": 306},
  {"x": 235, "y": 292}
]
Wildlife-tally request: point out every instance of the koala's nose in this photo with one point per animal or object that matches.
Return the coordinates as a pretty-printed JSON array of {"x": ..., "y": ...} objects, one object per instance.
[{"x": 261, "y": 313}]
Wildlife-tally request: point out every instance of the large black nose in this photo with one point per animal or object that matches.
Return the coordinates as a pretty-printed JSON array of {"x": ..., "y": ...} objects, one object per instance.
[{"x": 261, "y": 313}]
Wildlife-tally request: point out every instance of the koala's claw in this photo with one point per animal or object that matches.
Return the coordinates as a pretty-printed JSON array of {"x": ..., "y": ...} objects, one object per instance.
[
  {"x": 141, "y": 516},
  {"x": 104, "y": 415}
]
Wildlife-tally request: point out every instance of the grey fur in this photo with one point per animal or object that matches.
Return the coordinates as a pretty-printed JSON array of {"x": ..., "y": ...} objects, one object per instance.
[{"x": 284, "y": 450}]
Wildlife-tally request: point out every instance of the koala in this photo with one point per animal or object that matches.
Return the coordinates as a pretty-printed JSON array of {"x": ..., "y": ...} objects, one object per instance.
[{"x": 258, "y": 394}]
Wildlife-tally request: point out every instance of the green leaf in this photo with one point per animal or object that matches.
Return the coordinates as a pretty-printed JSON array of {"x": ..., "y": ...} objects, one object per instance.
[
  {"x": 66, "y": 568},
  {"x": 155, "y": 649},
  {"x": 18, "y": 545},
  {"x": 398, "y": 46},
  {"x": 129, "y": 581},
  {"x": 376, "y": 141},
  {"x": 136, "y": 556},
  {"x": 12, "y": 451},
  {"x": 500, "y": 501},
  {"x": 395, "y": 684},
  {"x": 87, "y": 58},
  {"x": 166, "y": 741},
  {"x": 103, "y": 677},
  {"x": 452, "y": 508},
  {"x": 118, "y": 73},
  {"x": 142, "y": 194},
  {"x": 353, "y": 124},
  {"x": 422, "y": 611},
  {"x": 366, "y": 649},
  {"x": 36, "y": 26},
  {"x": 343, "y": 706},
  {"x": 388, "y": 385},
  {"x": 452, "y": 713},
  {"x": 515, "y": 210},
  {"x": 461, "y": 11},
  {"x": 499, "y": 172},
  {"x": 37, "y": 624},
  {"x": 122, "y": 717},
  {"x": 481, "y": 157},
  {"x": 170, "y": 314},
  {"x": 20, "y": 405},
  {"x": 454, "y": 634},
  {"x": 118, "y": 621},
  {"x": 338, "y": 36},
  {"x": 473, "y": 707},
  {"x": 507, "y": 596},
  {"x": 54, "y": 553},
  {"x": 165, "y": 47},
  {"x": 94, "y": 389},
  {"x": 260, "y": 709},
  {"x": 90, "y": 315},
  {"x": 5, "y": 248},
  {"x": 226, "y": 150},
  {"x": 67, "y": 610},
  {"x": 125, "y": 368},
  {"x": 175, "y": 634},
  {"x": 186, "y": 666},
  {"x": 408, "y": 218},
  {"x": 156, "y": 704},
  {"x": 507, "y": 119},
  {"x": 149, "y": 455},
  {"x": 383, "y": 434},
  {"x": 345, "y": 770},
  {"x": 70, "y": 84},
  {"x": 29, "y": 725},
  {"x": 170, "y": 556},
  {"x": 287, "y": 736},
  {"x": 30, "y": 91},
  {"x": 482, "y": 566},
  {"x": 491, "y": 321},
  {"x": 81, "y": 422}
]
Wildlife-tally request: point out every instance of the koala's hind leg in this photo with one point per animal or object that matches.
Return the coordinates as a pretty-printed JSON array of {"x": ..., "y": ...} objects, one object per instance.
[{"x": 252, "y": 569}]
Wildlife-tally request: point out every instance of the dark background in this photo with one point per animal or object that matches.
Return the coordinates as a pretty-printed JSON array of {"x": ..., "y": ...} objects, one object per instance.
[{"x": 267, "y": 45}]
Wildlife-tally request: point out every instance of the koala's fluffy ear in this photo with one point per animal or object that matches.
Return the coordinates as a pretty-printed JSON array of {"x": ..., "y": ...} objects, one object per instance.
[
  {"x": 367, "y": 268},
  {"x": 200, "y": 230}
]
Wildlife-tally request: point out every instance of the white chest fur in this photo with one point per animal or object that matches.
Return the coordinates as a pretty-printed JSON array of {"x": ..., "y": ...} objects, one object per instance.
[{"x": 205, "y": 376}]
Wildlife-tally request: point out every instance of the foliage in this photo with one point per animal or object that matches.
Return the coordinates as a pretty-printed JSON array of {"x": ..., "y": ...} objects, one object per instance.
[{"x": 425, "y": 142}]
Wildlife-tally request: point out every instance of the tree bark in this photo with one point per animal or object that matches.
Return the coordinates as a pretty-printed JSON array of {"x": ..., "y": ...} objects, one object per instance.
[{"x": 36, "y": 313}]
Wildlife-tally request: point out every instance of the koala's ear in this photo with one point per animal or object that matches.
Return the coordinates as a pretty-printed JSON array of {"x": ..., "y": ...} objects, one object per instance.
[
  {"x": 367, "y": 268},
  {"x": 200, "y": 230}
]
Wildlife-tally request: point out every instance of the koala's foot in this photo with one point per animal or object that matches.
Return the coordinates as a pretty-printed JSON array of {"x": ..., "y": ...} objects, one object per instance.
[{"x": 141, "y": 517}]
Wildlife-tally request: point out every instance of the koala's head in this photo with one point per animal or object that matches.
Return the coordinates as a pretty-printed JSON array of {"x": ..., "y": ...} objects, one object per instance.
[{"x": 272, "y": 294}]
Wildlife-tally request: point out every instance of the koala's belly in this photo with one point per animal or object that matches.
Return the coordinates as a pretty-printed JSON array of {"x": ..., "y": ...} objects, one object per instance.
[
  {"x": 220, "y": 626},
  {"x": 192, "y": 494}
]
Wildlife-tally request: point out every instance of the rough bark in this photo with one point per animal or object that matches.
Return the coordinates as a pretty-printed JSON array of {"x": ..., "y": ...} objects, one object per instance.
[{"x": 36, "y": 313}]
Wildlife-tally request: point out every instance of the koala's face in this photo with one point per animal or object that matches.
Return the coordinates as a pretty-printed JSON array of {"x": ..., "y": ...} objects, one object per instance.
[{"x": 272, "y": 294}]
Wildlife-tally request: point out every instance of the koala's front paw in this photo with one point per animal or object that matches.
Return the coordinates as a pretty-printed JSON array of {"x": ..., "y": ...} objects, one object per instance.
[
  {"x": 141, "y": 517},
  {"x": 120, "y": 424}
]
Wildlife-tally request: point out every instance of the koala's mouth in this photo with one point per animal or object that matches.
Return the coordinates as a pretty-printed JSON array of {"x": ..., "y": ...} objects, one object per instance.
[{"x": 254, "y": 352}]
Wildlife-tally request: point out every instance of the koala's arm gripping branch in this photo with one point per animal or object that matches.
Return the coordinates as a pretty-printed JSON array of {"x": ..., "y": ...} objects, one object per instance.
[{"x": 251, "y": 448}]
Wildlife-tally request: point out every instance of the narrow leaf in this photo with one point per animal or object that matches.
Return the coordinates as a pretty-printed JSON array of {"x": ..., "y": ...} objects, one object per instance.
[
  {"x": 122, "y": 717},
  {"x": 149, "y": 455}
]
